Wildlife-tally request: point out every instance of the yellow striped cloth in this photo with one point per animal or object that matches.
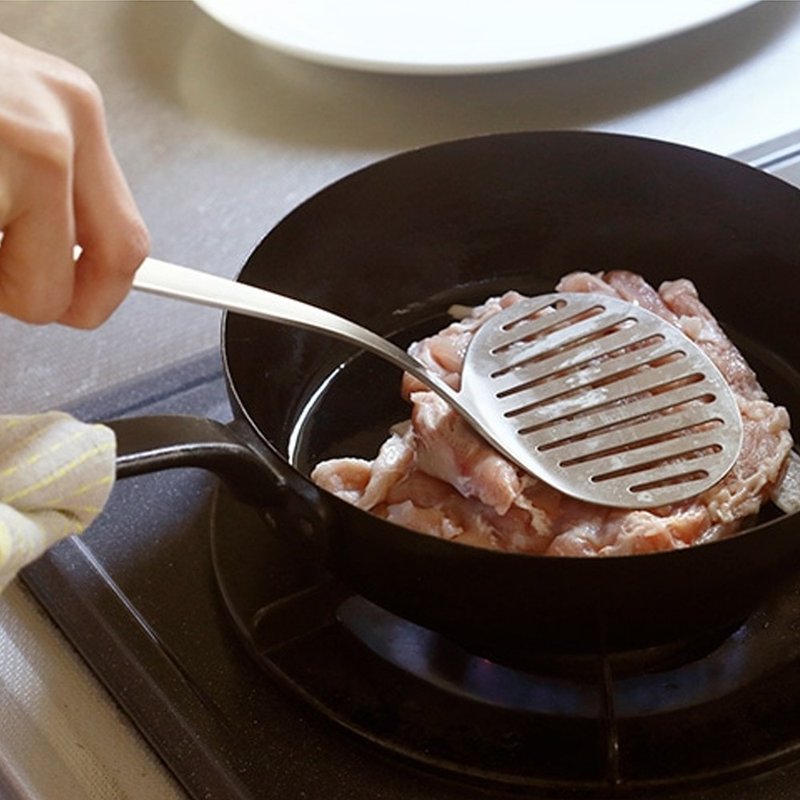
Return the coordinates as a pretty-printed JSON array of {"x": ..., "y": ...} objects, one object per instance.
[{"x": 55, "y": 476}]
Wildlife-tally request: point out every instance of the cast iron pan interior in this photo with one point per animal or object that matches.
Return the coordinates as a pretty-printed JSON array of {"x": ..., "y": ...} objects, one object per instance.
[{"x": 392, "y": 246}]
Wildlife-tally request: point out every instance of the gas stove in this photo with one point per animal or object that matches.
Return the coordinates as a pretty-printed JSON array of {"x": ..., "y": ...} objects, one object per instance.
[{"x": 251, "y": 680}]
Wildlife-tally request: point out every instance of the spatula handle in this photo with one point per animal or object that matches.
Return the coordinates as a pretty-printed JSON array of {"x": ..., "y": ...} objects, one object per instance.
[{"x": 182, "y": 283}]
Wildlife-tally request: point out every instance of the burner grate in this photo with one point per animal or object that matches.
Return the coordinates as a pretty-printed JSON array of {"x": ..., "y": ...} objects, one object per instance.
[{"x": 607, "y": 726}]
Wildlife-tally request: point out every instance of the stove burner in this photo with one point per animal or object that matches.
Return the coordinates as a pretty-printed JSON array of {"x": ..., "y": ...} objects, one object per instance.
[
  {"x": 583, "y": 726},
  {"x": 587, "y": 666},
  {"x": 571, "y": 691}
]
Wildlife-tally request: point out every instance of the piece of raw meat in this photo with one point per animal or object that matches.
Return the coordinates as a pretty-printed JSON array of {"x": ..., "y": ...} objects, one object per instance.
[{"x": 435, "y": 475}]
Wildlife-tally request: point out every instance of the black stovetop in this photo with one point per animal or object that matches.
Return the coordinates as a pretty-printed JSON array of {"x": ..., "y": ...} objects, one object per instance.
[
  {"x": 139, "y": 596},
  {"x": 175, "y": 598}
]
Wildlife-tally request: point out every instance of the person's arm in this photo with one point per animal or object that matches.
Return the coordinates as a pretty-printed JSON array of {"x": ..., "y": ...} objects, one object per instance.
[{"x": 60, "y": 185}]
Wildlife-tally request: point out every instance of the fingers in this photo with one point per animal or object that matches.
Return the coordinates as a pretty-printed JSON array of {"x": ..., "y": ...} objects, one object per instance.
[
  {"x": 36, "y": 265},
  {"x": 27, "y": 292},
  {"x": 60, "y": 185},
  {"x": 109, "y": 229}
]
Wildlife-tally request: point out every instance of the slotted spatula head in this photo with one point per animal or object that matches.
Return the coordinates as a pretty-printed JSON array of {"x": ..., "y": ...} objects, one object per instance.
[
  {"x": 603, "y": 400},
  {"x": 598, "y": 397}
]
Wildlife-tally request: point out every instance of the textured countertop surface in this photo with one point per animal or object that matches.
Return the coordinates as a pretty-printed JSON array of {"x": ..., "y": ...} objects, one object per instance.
[{"x": 220, "y": 138}]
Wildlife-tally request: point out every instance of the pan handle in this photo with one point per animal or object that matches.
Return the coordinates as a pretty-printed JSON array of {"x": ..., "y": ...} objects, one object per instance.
[
  {"x": 160, "y": 442},
  {"x": 232, "y": 452}
]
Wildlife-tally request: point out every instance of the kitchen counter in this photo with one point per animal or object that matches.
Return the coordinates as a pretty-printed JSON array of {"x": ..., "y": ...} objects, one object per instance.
[{"x": 219, "y": 139}]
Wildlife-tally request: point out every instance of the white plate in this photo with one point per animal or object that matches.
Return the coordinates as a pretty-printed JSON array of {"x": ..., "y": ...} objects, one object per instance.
[{"x": 459, "y": 36}]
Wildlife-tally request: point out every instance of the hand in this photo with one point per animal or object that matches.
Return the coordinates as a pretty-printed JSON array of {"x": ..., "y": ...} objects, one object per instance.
[{"x": 60, "y": 185}]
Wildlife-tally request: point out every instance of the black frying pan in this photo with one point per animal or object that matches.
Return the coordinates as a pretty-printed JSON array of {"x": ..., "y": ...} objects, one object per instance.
[{"x": 392, "y": 246}]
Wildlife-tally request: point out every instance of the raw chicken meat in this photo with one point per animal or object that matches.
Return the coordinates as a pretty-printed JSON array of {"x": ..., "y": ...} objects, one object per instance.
[{"x": 435, "y": 475}]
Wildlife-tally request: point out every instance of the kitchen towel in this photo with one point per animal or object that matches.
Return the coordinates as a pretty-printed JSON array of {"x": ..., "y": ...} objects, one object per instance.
[{"x": 56, "y": 473}]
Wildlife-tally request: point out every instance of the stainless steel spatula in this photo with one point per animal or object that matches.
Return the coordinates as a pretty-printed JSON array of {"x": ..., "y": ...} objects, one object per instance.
[{"x": 600, "y": 398}]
